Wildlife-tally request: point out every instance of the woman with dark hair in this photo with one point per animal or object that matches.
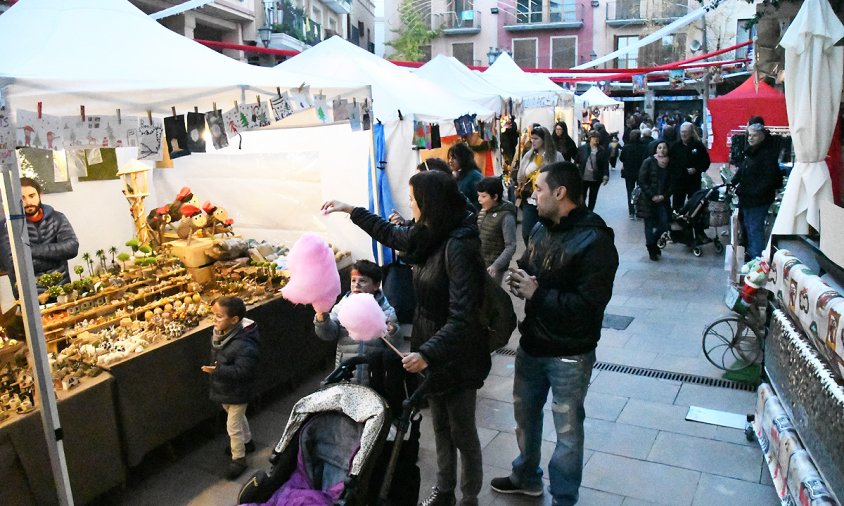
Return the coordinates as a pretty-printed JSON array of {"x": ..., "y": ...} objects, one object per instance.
[
  {"x": 461, "y": 159},
  {"x": 448, "y": 341},
  {"x": 497, "y": 226},
  {"x": 653, "y": 204},
  {"x": 564, "y": 144},
  {"x": 593, "y": 159},
  {"x": 542, "y": 152}
]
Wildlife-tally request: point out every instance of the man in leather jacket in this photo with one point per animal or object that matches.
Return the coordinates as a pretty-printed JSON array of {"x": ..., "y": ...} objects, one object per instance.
[{"x": 566, "y": 277}]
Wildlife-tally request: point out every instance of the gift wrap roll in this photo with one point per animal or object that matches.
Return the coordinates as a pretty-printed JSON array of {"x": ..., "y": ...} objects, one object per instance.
[{"x": 805, "y": 484}]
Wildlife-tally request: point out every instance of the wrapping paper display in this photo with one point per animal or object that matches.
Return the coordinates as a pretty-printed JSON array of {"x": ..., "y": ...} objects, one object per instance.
[
  {"x": 816, "y": 306},
  {"x": 814, "y": 404}
]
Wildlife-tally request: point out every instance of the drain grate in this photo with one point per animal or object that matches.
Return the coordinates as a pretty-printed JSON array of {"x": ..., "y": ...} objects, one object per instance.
[{"x": 658, "y": 374}]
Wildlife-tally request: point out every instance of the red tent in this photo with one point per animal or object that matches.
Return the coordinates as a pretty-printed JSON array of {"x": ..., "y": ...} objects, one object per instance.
[{"x": 736, "y": 107}]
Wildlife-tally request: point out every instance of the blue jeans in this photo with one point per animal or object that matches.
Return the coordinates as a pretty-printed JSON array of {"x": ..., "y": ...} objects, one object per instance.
[
  {"x": 529, "y": 218},
  {"x": 753, "y": 226},
  {"x": 656, "y": 224},
  {"x": 568, "y": 379}
]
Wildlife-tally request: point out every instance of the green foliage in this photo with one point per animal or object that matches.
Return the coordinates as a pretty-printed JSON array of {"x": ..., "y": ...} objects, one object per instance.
[
  {"x": 133, "y": 243},
  {"x": 79, "y": 270},
  {"x": 50, "y": 279},
  {"x": 124, "y": 256},
  {"x": 414, "y": 32},
  {"x": 144, "y": 248},
  {"x": 54, "y": 291}
]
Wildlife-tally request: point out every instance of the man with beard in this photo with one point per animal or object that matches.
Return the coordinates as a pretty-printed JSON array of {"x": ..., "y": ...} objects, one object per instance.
[
  {"x": 51, "y": 238},
  {"x": 566, "y": 277}
]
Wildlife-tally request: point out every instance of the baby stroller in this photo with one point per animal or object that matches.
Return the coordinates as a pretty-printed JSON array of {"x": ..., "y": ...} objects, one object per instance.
[
  {"x": 694, "y": 216},
  {"x": 334, "y": 450}
]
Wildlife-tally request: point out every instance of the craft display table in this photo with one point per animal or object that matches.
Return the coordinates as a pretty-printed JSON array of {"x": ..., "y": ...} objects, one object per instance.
[{"x": 91, "y": 447}]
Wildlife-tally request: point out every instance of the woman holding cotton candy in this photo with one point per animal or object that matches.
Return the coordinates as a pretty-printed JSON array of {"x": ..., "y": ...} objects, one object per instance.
[{"x": 447, "y": 343}]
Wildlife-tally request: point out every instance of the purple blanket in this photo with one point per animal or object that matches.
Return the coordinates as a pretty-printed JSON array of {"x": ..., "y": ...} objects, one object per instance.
[{"x": 298, "y": 491}]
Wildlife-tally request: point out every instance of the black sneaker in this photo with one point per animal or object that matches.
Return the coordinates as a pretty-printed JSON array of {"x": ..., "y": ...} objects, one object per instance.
[
  {"x": 250, "y": 447},
  {"x": 236, "y": 468},
  {"x": 439, "y": 498},
  {"x": 503, "y": 485}
]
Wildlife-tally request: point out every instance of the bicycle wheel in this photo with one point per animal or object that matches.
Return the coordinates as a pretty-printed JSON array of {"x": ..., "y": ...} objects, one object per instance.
[{"x": 731, "y": 344}]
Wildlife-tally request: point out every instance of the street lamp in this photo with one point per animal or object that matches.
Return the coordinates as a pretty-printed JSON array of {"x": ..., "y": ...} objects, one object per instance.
[
  {"x": 265, "y": 33},
  {"x": 493, "y": 54}
]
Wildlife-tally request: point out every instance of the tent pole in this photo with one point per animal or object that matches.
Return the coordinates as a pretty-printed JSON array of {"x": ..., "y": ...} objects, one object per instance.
[
  {"x": 373, "y": 174},
  {"x": 35, "y": 340}
]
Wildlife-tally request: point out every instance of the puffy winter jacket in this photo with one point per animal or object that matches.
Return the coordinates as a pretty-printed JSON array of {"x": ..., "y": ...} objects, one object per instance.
[
  {"x": 653, "y": 180},
  {"x": 449, "y": 293},
  {"x": 759, "y": 176},
  {"x": 233, "y": 380},
  {"x": 683, "y": 156},
  {"x": 632, "y": 156},
  {"x": 574, "y": 262},
  {"x": 52, "y": 242}
]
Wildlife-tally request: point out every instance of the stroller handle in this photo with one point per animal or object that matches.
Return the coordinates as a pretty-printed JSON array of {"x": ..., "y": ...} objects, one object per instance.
[{"x": 346, "y": 370}]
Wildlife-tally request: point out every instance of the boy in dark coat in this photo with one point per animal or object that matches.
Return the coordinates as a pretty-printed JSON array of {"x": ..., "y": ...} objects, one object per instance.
[{"x": 234, "y": 359}]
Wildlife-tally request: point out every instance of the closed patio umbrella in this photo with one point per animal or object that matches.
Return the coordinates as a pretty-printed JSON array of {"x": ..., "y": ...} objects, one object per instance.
[{"x": 813, "y": 80}]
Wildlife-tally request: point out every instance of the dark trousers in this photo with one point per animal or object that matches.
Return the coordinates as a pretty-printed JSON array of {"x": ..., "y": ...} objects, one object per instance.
[
  {"x": 529, "y": 219},
  {"x": 590, "y": 193},
  {"x": 453, "y": 417},
  {"x": 656, "y": 224},
  {"x": 631, "y": 183}
]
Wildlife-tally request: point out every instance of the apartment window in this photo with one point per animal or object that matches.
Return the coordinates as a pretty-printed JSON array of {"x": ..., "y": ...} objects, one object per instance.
[
  {"x": 663, "y": 51},
  {"x": 563, "y": 11},
  {"x": 528, "y": 11},
  {"x": 462, "y": 5},
  {"x": 316, "y": 14},
  {"x": 628, "y": 9},
  {"x": 629, "y": 60},
  {"x": 563, "y": 52},
  {"x": 332, "y": 24},
  {"x": 464, "y": 52},
  {"x": 743, "y": 35},
  {"x": 524, "y": 53}
]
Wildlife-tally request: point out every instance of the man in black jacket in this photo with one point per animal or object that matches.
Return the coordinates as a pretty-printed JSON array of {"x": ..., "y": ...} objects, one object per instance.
[
  {"x": 566, "y": 277},
  {"x": 51, "y": 237},
  {"x": 690, "y": 160}
]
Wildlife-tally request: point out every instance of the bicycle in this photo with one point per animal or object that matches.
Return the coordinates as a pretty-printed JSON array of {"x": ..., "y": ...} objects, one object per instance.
[{"x": 734, "y": 343}]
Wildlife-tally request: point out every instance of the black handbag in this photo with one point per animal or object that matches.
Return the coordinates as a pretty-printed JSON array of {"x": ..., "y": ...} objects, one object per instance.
[{"x": 398, "y": 288}]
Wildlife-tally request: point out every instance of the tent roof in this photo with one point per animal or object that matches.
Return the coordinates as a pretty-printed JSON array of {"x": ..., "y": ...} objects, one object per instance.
[
  {"x": 748, "y": 90},
  {"x": 594, "y": 97},
  {"x": 393, "y": 88},
  {"x": 108, "y": 54},
  {"x": 463, "y": 82},
  {"x": 505, "y": 74}
]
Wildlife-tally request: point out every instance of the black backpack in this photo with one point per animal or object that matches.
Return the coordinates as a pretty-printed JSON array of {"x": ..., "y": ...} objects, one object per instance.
[{"x": 497, "y": 314}]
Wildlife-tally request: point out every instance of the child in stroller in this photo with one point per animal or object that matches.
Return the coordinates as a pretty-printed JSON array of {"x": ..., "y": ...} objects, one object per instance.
[
  {"x": 334, "y": 449},
  {"x": 687, "y": 225}
]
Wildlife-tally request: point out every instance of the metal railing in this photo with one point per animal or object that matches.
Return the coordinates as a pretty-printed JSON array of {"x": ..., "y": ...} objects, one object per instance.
[
  {"x": 642, "y": 10},
  {"x": 564, "y": 13},
  {"x": 463, "y": 20}
]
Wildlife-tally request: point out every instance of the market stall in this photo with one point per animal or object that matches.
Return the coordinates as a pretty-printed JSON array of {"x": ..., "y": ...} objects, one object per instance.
[{"x": 610, "y": 112}]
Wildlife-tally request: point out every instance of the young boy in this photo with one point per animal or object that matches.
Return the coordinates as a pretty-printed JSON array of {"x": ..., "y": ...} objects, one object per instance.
[
  {"x": 365, "y": 278},
  {"x": 234, "y": 359}
]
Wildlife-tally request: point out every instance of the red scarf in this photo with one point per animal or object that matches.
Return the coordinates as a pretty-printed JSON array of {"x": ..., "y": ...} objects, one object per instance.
[{"x": 37, "y": 216}]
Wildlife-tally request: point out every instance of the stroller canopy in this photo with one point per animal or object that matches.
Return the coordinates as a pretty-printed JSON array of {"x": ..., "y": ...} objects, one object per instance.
[{"x": 360, "y": 403}]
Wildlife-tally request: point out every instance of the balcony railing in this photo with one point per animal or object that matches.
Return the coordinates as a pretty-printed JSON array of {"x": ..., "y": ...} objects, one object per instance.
[
  {"x": 339, "y": 6},
  {"x": 638, "y": 12},
  {"x": 458, "y": 23},
  {"x": 567, "y": 15},
  {"x": 300, "y": 28}
]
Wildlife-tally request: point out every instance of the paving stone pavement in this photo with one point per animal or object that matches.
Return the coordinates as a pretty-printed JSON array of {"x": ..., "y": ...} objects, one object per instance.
[{"x": 639, "y": 447}]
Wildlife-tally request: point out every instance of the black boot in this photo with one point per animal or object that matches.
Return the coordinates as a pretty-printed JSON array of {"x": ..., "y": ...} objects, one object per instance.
[{"x": 653, "y": 253}]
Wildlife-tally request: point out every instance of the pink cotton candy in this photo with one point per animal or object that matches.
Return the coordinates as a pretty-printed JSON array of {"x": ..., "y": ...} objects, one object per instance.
[
  {"x": 313, "y": 274},
  {"x": 362, "y": 317}
]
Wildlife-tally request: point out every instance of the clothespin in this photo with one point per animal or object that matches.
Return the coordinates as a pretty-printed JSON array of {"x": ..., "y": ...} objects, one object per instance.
[
  {"x": 119, "y": 119},
  {"x": 214, "y": 107},
  {"x": 235, "y": 104},
  {"x": 196, "y": 109},
  {"x": 149, "y": 116},
  {"x": 39, "y": 110},
  {"x": 278, "y": 91},
  {"x": 82, "y": 112},
  {"x": 174, "y": 111},
  {"x": 401, "y": 118}
]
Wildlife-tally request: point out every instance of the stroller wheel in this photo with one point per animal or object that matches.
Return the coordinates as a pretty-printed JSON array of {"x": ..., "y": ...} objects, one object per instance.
[
  {"x": 696, "y": 251},
  {"x": 719, "y": 247}
]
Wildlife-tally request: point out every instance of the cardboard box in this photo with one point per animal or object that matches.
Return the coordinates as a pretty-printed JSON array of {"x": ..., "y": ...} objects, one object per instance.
[{"x": 193, "y": 254}]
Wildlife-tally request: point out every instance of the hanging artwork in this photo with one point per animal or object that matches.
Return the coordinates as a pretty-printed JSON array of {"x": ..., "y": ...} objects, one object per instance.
[
  {"x": 177, "y": 136},
  {"x": 34, "y": 132},
  {"x": 341, "y": 109},
  {"x": 217, "y": 127},
  {"x": 419, "y": 134},
  {"x": 676, "y": 78},
  {"x": 39, "y": 165},
  {"x": 354, "y": 117},
  {"x": 196, "y": 132},
  {"x": 300, "y": 99},
  {"x": 436, "y": 142},
  {"x": 231, "y": 121},
  {"x": 282, "y": 107},
  {"x": 640, "y": 83},
  {"x": 150, "y": 135},
  {"x": 321, "y": 109},
  {"x": 255, "y": 115},
  {"x": 465, "y": 125},
  {"x": 101, "y": 164},
  {"x": 366, "y": 115}
]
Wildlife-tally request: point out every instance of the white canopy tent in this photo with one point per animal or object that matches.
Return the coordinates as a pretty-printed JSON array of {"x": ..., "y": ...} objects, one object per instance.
[
  {"x": 814, "y": 64},
  {"x": 540, "y": 99},
  {"x": 107, "y": 55},
  {"x": 395, "y": 92},
  {"x": 610, "y": 111},
  {"x": 464, "y": 83}
]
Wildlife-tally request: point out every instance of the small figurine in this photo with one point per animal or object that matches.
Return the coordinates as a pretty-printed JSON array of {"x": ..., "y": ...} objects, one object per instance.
[{"x": 193, "y": 219}]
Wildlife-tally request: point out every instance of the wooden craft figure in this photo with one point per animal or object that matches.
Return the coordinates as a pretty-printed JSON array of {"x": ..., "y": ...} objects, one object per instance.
[
  {"x": 193, "y": 218},
  {"x": 218, "y": 218},
  {"x": 158, "y": 220}
]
